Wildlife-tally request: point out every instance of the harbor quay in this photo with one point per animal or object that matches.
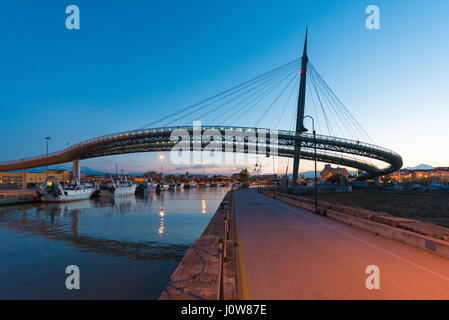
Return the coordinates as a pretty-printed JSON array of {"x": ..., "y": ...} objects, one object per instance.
[{"x": 283, "y": 250}]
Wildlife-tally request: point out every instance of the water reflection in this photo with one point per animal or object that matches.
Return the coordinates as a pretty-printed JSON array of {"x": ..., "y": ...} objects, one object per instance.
[
  {"x": 137, "y": 241},
  {"x": 114, "y": 226},
  {"x": 161, "y": 214},
  {"x": 203, "y": 206},
  {"x": 161, "y": 227}
]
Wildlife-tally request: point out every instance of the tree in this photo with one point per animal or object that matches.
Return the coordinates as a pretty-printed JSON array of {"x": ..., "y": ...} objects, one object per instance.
[{"x": 244, "y": 178}]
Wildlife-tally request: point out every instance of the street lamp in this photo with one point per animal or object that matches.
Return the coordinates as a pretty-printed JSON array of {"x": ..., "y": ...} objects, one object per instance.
[
  {"x": 314, "y": 147},
  {"x": 162, "y": 157},
  {"x": 46, "y": 172},
  {"x": 274, "y": 180},
  {"x": 257, "y": 169}
]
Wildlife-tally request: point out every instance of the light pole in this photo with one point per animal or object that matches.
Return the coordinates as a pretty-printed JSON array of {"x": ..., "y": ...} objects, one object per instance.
[
  {"x": 314, "y": 147},
  {"x": 258, "y": 169},
  {"x": 46, "y": 172},
  {"x": 162, "y": 157},
  {"x": 274, "y": 180}
]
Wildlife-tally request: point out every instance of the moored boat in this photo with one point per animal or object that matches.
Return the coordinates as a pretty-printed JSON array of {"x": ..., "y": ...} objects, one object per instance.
[
  {"x": 55, "y": 192},
  {"x": 119, "y": 188},
  {"x": 179, "y": 185},
  {"x": 193, "y": 184},
  {"x": 162, "y": 186},
  {"x": 150, "y": 186}
]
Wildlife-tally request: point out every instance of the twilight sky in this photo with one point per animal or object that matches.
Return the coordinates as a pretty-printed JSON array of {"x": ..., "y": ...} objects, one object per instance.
[{"x": 134, "y": 61}]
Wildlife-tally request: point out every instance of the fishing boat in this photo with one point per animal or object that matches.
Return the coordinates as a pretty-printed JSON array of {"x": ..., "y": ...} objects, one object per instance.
[
  {"x": 162, "y": 186},
  {"x": 193, "y": 184},
  {"x": 55, "y": 192},
  {"x": 171, "y": 185},
  {"x": 150, "y": 186},
  {"x": 179, "y": 185},
  {"x": 119, "y": 188}
]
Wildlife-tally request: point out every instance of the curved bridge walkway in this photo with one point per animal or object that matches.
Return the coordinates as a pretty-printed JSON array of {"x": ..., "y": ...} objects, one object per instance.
[{"x": 247, "y": 140}]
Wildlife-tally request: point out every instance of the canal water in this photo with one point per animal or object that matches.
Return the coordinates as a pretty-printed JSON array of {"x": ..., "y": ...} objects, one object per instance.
[{"x": 125, "y": 248}]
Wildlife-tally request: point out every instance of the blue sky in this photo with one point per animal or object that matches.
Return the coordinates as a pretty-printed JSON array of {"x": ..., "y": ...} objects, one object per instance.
[{"x": 134, "y": 61}]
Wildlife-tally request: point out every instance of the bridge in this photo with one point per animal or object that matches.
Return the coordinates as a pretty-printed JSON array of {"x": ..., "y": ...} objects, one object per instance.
[
  {"x": 331, "y": 149},
  {"x": 236, "y": 103}
]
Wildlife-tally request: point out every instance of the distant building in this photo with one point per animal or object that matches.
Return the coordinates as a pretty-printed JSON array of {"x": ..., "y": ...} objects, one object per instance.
[
  {"x": 15, "y": 178},
  {"x": 140, "y": 180},
  {"x": 94, "y": 178},
  {"x": 235, "y": 176},
  {"x": 440, "y": 174},
  {"x": 269, "y": 177},
  {"x": 328, "y": 171},
  {"x": 152, "y": 174}
]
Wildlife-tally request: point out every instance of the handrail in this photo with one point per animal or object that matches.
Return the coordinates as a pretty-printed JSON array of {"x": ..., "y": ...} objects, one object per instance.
[{"x": 170, "y": 129}]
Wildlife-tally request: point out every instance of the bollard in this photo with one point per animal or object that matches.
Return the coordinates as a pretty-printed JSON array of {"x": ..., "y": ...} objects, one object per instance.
[{"x": 225, "y": 238}]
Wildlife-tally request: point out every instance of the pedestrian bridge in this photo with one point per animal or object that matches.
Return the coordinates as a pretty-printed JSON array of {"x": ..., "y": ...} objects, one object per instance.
[{"x": 339, "y": 151}]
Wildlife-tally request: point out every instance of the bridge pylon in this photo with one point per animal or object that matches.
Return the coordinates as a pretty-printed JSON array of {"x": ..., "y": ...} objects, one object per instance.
[
  {"x": 300, "y": 113},
  {"x": 76, "y": 171}
]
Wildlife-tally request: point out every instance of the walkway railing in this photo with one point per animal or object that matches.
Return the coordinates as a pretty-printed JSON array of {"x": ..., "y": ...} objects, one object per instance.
[{"x": 223, "y": 249}]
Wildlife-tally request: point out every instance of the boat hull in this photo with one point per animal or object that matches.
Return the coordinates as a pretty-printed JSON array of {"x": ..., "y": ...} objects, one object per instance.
[
  {"x": 163, "y": 187},
  {"x": 69, "y": 195},
  {"x": 118, "y": 192},
  {"x": 150, "y": 189}
]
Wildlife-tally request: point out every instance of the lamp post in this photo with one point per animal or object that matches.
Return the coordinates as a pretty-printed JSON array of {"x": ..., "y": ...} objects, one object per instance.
[
  {"x": 314, "y": 147},
  {"x": 258, "y": 169},
  {"x": 46, "y": 172},
  {"x": 162, "y": 157},
  {"x": 274, "y": 180}
]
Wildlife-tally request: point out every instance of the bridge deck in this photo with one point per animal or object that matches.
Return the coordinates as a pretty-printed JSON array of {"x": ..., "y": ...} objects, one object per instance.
[
  {"x": 330, "y": 149},
  {"x": 290, "y": 253}
]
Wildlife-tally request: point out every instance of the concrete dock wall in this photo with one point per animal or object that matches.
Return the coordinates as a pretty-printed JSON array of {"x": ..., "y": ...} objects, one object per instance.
[
  {"x": 202, "y": 274},
  {"x": 17, "y": 196}
]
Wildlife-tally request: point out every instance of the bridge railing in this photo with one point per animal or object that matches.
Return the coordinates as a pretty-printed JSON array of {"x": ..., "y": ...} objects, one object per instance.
[
  {"x": 221, "y": 128},
  {"x": 43, "y": 156}
]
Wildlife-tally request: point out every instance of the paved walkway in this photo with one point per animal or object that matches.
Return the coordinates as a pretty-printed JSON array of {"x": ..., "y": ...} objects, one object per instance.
[{"x": 290, "y": 253}]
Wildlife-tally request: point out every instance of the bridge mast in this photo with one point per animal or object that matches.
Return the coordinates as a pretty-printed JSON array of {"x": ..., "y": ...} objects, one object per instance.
[{"x": 300, "y": 114}]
